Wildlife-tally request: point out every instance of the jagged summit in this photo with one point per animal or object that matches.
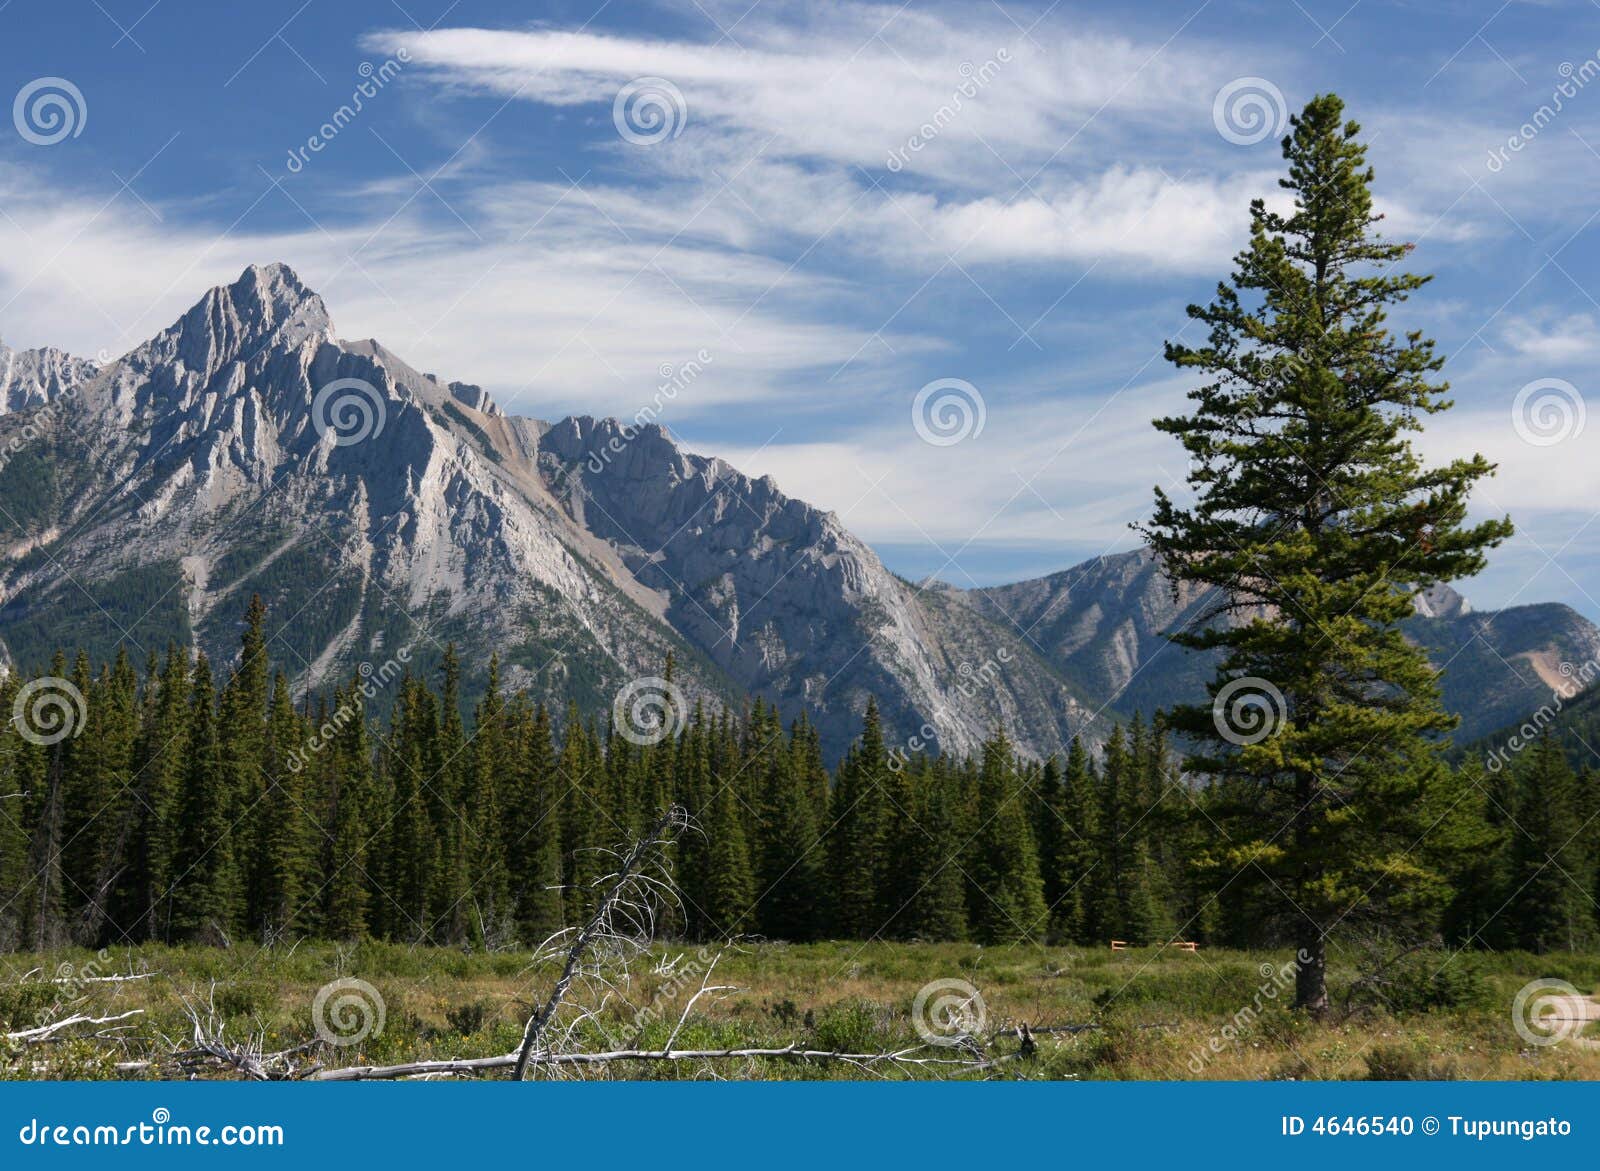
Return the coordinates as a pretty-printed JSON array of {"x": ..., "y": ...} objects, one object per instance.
[
  {"x": 267, "y": 301},
  {"x": 380, "y": 511},
  {"x": 31, "y": 378}
]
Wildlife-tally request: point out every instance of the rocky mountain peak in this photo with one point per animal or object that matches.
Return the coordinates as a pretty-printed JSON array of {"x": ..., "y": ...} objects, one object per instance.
[
  {"x": 1442, "y": 602},
  {"x": 408, "y": 512},
  {"x": 268, "y": 306},
  {"x": 30, "y": 378}
]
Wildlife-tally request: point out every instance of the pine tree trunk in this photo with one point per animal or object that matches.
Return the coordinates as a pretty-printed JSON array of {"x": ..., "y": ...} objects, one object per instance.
[
  {"x": 1311, "y": 956},
  {"x": 1311, "y": 972}
]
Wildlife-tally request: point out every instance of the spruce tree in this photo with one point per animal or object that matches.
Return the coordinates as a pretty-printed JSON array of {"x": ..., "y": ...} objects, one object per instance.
[
  {"x": 728, "y": 894},
  {"x": 286, "y": 848},
  {"x": 412, "y": 858},
  {"x": 242, "y": 748},
  {"x": 446, "y": 788},
  {"x": 1549, "y": 875},
  {"x": 350, "y": 763},
  {"x": 160, "y": 756},
  {"x": 936, "y": 907},
  {"x": 580, "y": 777},
  {"x": 494, "y": 766},
  {"x": 1317, "y": 524},
  {"x": 534, "y": 848},
  {"x": 15, "y": 800},
  {"x": 1007, "y": 899},
  {"x": 788, "y": 857},
  {"x": 207, "y": 900},
  {"x": 1075, "y": 857},
  {"x": 853, "y": 842}
]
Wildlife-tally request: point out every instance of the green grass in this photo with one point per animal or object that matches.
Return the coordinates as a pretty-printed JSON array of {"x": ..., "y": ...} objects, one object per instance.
[{"x": 1155, "y": 1014}]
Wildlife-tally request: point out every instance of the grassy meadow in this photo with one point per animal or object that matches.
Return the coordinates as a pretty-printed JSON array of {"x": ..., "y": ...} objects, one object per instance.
[{"x": 1152, "y": 1013}]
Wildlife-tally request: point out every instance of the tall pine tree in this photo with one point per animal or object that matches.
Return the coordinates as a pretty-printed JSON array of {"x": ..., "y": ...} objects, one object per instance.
[{"x": 1317, "y": 524}]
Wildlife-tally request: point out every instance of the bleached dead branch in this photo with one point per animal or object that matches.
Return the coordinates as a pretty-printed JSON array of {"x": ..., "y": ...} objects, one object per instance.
[
  {"x": 919, "y": 1056},
  {"x": 51, "y": 1031},
  {"x": 597, "y": 956},
  {"x": 623, "y": 924},
  {"x": 208, "y": 1049}
]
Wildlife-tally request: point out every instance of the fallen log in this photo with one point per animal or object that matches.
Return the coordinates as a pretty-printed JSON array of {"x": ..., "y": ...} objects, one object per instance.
[
  {"x": 48, "y": 1032},
  {"x": 473, "y": 1065}
]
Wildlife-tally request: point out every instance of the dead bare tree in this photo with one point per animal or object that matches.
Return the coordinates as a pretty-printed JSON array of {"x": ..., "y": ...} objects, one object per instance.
[
  {"x": 597, "y": 956},
  {"x": 52, "y": 1030},
  {"x": 208, "y": 1049},
  {"x": 917, "y": 1056},
  {"x": 623, "y": 924}
]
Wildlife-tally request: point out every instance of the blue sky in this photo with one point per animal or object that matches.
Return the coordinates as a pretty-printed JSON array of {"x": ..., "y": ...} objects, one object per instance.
[{"x": 844, "y": 204}]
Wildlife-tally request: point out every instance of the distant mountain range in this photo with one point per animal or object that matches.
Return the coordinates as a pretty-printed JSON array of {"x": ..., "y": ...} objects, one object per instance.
[{"x": 383, "y": 513}]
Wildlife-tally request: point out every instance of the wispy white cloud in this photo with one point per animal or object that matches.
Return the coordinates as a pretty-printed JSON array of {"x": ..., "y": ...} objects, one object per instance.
[
  {"x": 546, "y": 303},
  {"x": 850, "y": 83}
]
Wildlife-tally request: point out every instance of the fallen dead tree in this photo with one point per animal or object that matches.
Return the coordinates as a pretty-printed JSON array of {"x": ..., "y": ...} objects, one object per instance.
[
  {"x": 54, "y": 1029},
  {"x": 596, "y": 957},
  {"x": 209, "y": 1050},
  {"x": 916, "y": 1056}
]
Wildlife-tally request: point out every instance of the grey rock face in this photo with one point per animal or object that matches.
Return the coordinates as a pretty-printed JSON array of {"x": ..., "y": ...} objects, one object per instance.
[
  {"x": 1102, "y": 624},
  {"x": 31, "y": 378},
  {"x": 383, "y": 513}
]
